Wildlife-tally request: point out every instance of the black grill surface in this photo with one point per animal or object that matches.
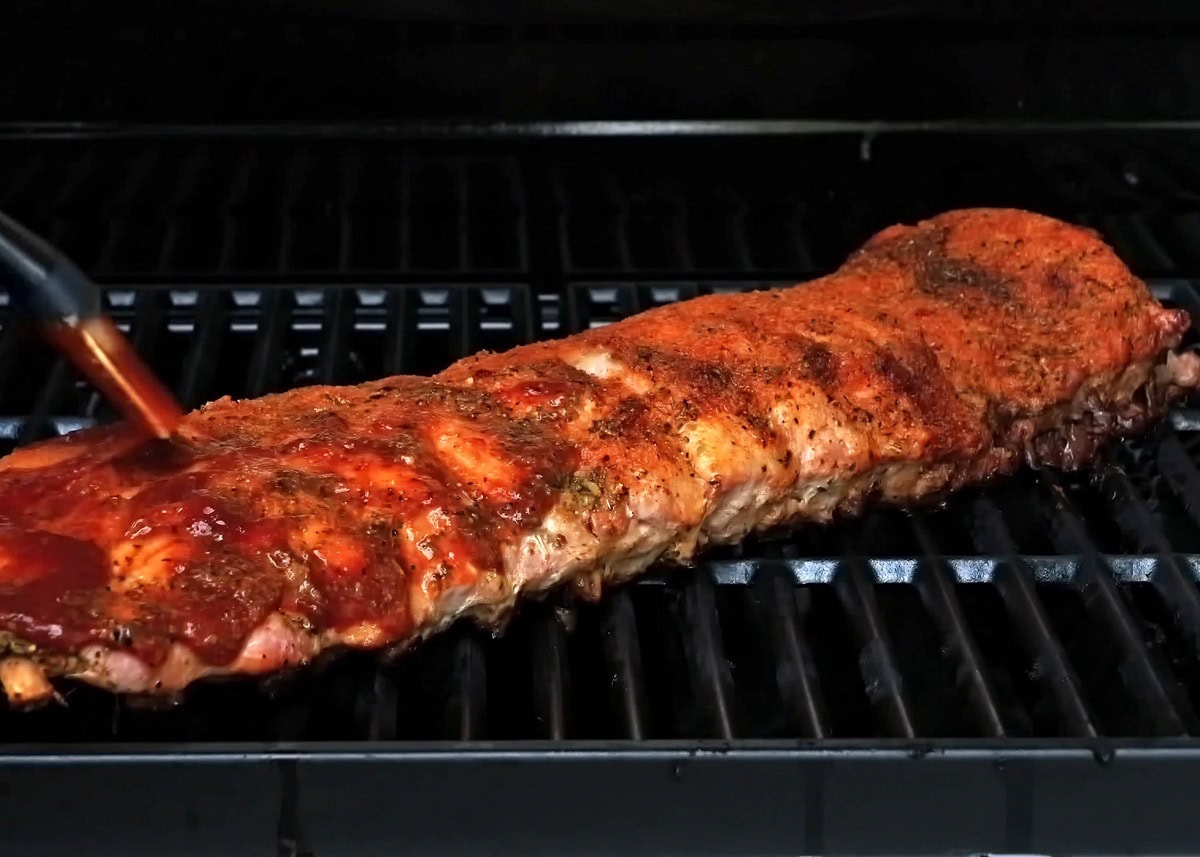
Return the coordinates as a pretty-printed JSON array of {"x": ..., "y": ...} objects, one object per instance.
[{"x": 1010, "y": 669}]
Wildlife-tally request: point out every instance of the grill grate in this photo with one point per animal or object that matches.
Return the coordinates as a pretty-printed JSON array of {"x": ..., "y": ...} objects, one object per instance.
[
  {"x": 1046, "y": 607},
  {"x": 137, "y": 210}
]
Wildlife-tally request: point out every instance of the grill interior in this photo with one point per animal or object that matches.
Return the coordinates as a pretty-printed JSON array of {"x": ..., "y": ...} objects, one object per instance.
[{"x": 1048, "y": 606}]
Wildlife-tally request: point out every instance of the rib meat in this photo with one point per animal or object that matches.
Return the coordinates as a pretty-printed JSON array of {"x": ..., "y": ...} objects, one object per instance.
[{"x": 937, "y": 356}]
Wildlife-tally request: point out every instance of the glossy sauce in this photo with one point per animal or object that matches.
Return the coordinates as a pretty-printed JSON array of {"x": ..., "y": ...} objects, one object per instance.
[{"x": 337, "y": 508}]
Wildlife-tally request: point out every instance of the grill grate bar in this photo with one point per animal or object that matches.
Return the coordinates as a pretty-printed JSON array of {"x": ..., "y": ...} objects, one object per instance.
[
  {"x": 294, "y": 718},
  {"x": 463, "y": 336},
  {"x": 462, "y": 225},
  {"x": 69, "y": 183},
  {"x": 148, "y": 321},
  {"x": 1180, "y": 473},
  {"x": 678, "y": 233},
  {"x": 52, "y": 395},
  {"x": 1134, "y": 232},
  {"x": 936, "y": 586},
  {"x": 266, "y": 360},
  {"x": 620, "y": 225},
  {"x": 232, "y": 211},
  {"x": 122, "y": 207},
  {"x": 10, "y": 344},
  {"x": 1139, "y": 521},
  {"x": 296, "y": 177},
  {"x": 335, "y": 335},
  {"x": 395, "y": 356},
  {"x": 1146, "y": 682},
  {"x": 191, "y": 173},
  {"x": 404, "y": 221},
  {"x": 796, "y": 673},
  {"x": 551, "y": 678},
  {"x": 466, "y": 707},
  {"x": 199, "y": 366},
  {"x": 623, "y": 657},
  {"x": 352, "y": 169},
  {"x": 1016, "y": 588},
  {"x": 522, "y": 314},
  {"x": 876, "y": 661},
  {"x": 739, "y": 233},
  {"x": 114, "y": 233},
  {"x": 17, "y": 182},
  {"x": 384, "y": 703},
  {"x": 708, "y": 669}
]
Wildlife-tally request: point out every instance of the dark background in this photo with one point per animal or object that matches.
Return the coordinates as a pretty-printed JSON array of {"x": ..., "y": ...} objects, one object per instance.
[{"x": 379, "y": 61}]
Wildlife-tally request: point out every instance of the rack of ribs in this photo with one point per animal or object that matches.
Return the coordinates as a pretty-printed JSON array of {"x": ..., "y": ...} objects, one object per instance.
[{"x": 937, "y": 356}]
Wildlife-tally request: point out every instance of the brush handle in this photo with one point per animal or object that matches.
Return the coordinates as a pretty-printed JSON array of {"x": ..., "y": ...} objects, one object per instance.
[{"x": 47, "y": 288}]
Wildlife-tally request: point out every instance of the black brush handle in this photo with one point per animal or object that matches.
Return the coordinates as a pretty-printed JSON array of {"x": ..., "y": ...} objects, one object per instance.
[
  {"x": 56, "y": 296},
  {"x": 41, "y": 281}
]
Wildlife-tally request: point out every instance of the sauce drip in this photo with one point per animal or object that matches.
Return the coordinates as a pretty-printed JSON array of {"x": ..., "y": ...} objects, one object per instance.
[{"x": 99, "y": 350}]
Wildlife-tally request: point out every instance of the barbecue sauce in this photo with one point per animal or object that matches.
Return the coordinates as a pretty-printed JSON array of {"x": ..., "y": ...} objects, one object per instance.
[
  {"x": 335, "y": 506},
  {"x": 99, "y": 350},
  {"x": 47, "y": 578}
]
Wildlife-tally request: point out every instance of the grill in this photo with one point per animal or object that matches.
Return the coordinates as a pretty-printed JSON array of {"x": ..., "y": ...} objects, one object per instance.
[{"x": 1017, "y": 670}]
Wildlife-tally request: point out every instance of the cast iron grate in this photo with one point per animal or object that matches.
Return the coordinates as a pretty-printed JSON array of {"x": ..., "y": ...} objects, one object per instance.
[
  {"x": 138, "y": 210},
  {"x": 1047, "y": 606}
]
